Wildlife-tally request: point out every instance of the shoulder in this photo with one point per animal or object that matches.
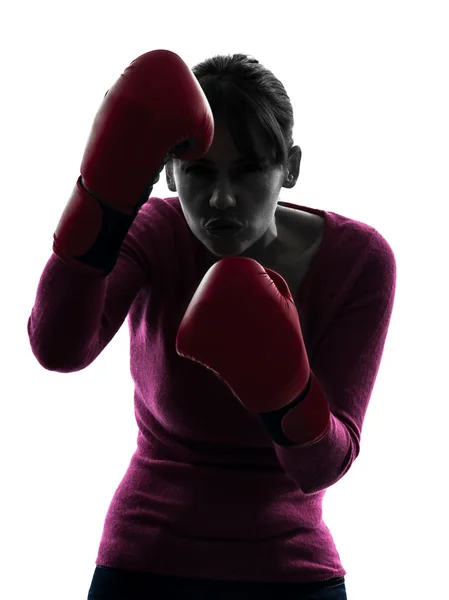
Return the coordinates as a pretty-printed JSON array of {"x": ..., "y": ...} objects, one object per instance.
[{"x": 380, "y": 266}]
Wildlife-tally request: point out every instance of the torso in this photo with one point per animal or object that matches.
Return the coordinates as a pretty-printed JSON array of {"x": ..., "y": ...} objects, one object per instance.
[{"x": 302, "y": 233}]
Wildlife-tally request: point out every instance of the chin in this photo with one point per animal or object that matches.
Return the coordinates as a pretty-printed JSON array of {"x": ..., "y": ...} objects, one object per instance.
[
  {"x": 225, "y": 250},
  {"x": 222, "y": 253},
  {"x": 225, "y": 255}
]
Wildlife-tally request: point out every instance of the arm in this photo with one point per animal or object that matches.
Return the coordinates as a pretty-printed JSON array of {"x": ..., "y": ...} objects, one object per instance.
[
  {"x": 156, "y": 108},
  {"x": 243, "y": 325},
  {"x": 75, "y": 315},
  {"x": 345, "y": 367}
]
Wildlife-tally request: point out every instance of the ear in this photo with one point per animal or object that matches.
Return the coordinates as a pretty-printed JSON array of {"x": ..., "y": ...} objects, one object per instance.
[
  {"x": 169, "y": 176},
  {"x": 292, "y": 171}
]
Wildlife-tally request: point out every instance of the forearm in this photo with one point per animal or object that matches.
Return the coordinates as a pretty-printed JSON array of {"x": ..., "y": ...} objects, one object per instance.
[
  {"x": 66, "y": 316},
  {"x": 314, "y": 447},
  {"x": 318, "y": 466}
]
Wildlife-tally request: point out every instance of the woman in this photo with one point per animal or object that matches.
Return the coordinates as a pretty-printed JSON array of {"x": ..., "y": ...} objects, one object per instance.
[{"x": 241, "y": 428}]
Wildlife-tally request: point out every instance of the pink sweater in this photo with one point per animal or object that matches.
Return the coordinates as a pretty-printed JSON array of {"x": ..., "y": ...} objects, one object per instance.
[{"x": 207, "y": 493}]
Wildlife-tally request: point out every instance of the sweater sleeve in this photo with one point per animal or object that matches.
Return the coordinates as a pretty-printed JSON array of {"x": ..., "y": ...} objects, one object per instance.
[
  {"x": 345, "y": 365},
  {"x": 75, "y": 315}
]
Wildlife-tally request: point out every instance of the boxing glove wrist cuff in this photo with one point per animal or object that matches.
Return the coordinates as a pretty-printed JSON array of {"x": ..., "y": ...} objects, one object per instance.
[
  {"x": 273, "y": 420},
  {"x": 104, "y": 252}
]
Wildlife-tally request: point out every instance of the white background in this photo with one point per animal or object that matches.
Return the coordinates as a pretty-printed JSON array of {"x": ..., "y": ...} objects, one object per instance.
[{"x": 368, "y": 82}]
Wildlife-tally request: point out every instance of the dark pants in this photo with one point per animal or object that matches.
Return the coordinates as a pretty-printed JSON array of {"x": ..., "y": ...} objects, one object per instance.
[{"x": 116, "y": 584}]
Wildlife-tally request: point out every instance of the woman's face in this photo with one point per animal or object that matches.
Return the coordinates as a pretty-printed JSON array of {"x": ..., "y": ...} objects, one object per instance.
[{"x": 224, "y": 185}]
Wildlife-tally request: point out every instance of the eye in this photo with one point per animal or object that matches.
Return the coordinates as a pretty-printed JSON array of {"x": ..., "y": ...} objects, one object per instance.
[
  {"x": 252, "y": 167},
  {"x": 198, "y": 170}
]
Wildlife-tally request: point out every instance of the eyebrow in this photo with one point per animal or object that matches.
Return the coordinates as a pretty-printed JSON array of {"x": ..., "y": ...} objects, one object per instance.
[{"x": 258, "y": 159}]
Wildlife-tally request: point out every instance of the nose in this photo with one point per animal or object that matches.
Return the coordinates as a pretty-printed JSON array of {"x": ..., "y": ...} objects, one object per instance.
[{"x": 222, "y": 200}]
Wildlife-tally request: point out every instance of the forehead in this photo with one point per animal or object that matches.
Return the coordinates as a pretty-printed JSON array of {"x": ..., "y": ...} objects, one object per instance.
[{"x": 224, "y": 148}]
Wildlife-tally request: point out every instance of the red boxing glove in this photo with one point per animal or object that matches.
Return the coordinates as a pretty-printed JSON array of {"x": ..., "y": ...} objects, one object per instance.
[
  {"x": 155, "y": 109},
  {"x": 242, "y": 323}
]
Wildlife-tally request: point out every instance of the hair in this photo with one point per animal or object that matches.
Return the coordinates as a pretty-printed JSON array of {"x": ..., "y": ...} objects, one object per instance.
[{"x": 250, "y": 98}]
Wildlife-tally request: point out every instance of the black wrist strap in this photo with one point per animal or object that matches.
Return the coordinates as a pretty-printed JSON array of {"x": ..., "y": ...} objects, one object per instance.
[
  {"x": 104, "y": 252},
  {"x": 273, "y": 420}
]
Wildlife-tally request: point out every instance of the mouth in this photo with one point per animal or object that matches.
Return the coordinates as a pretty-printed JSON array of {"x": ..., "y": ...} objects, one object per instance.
[{"x": 223, "y": 228}]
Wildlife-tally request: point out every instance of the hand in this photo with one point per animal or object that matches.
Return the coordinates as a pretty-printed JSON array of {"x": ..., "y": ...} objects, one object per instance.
[{"x": 242, "y": 323}]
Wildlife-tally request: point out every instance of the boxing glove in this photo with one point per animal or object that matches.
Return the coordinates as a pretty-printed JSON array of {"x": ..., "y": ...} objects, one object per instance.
[
  {"x": 156, "y": 108},
  {"x": 242, "y": 324}
]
